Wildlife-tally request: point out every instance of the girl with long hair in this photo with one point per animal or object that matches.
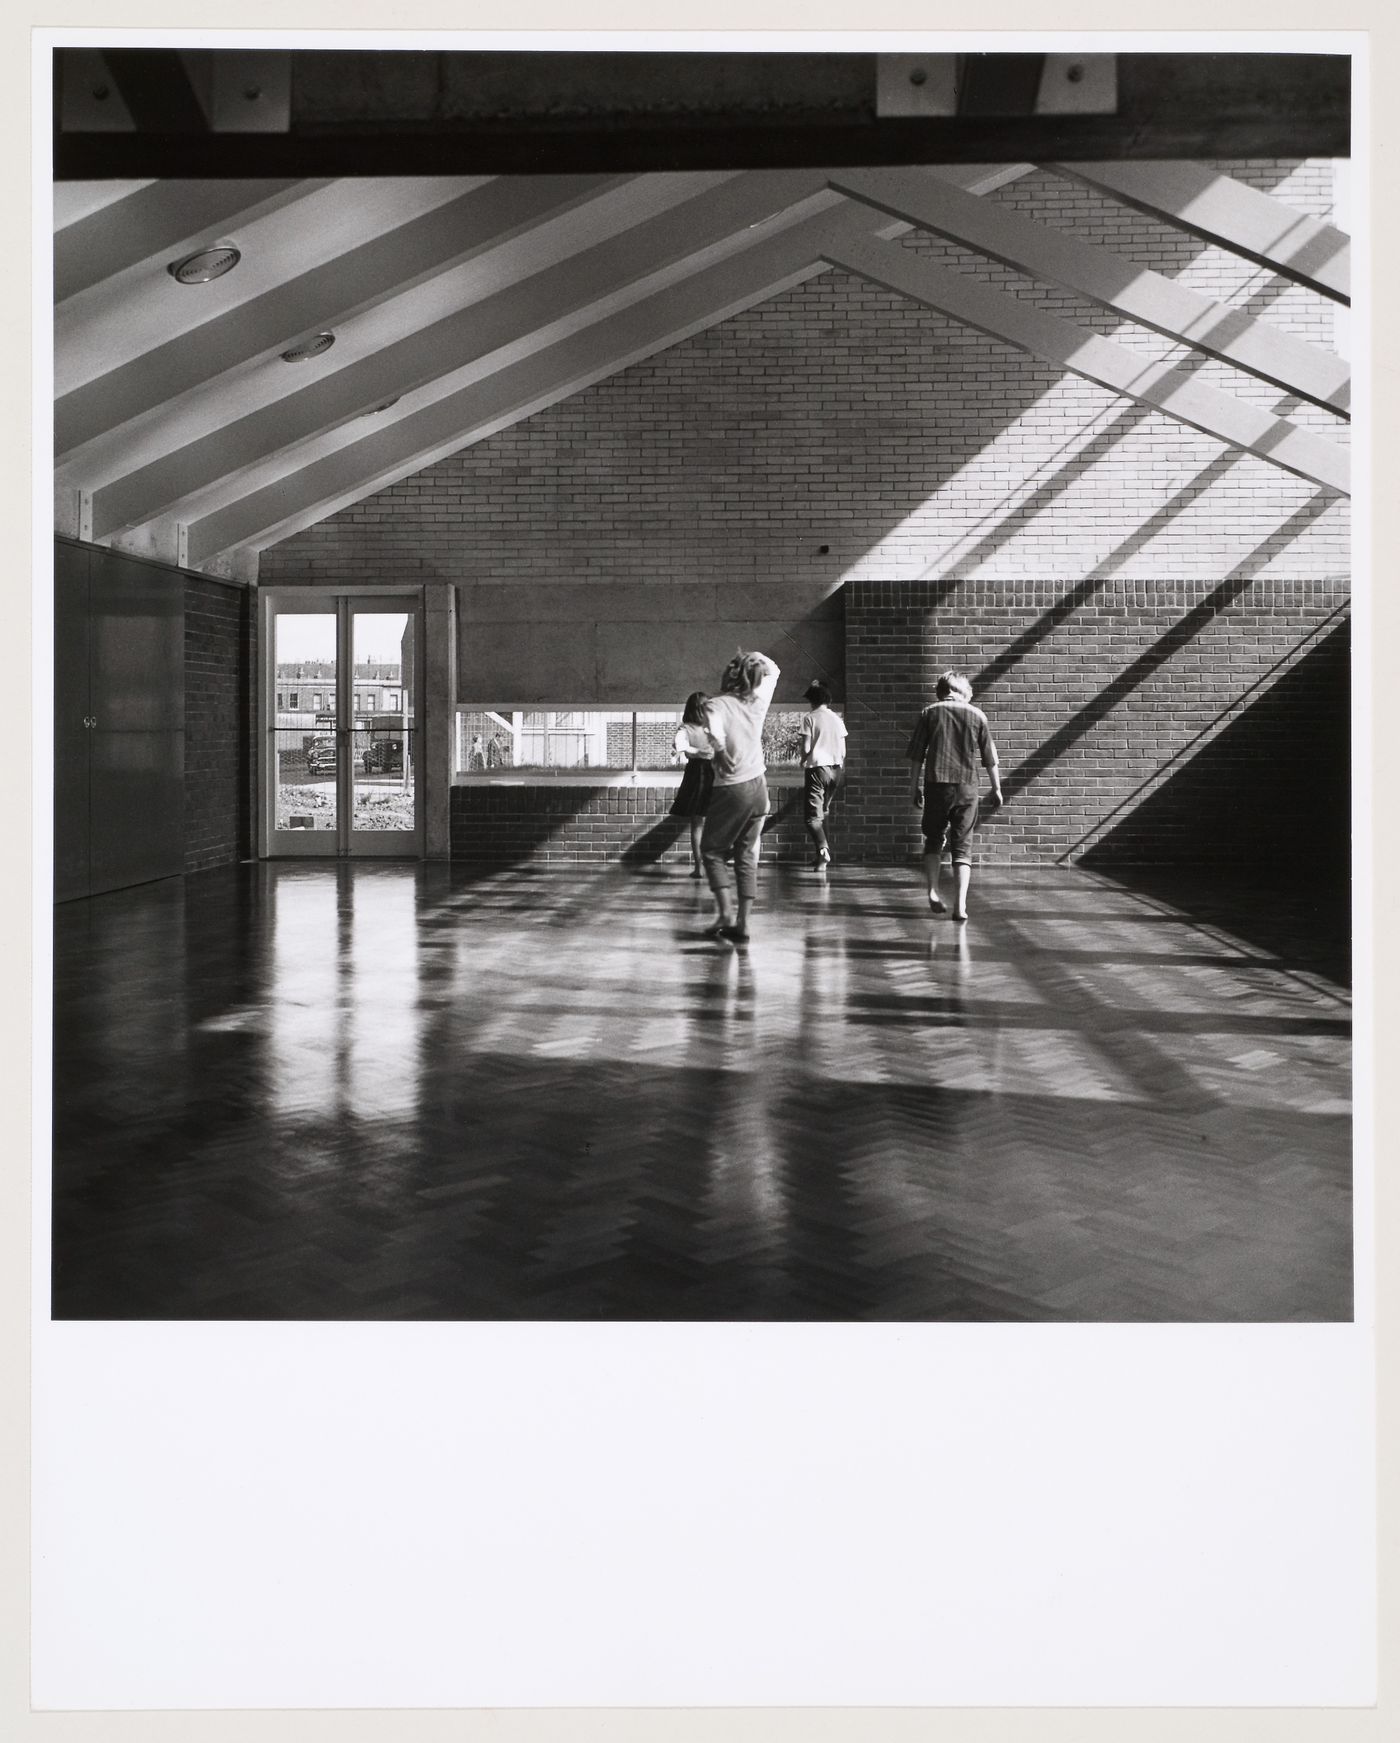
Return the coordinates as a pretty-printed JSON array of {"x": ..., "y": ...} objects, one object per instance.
[{"x": 692, "y": 745}]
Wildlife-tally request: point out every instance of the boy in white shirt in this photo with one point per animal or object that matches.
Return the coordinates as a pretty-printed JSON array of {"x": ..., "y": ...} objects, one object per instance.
[{"x": 823, "y": 756}]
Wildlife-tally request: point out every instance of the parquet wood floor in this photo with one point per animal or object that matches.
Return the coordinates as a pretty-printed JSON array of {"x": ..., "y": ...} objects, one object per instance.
[{"x": 398, "y": 1091}]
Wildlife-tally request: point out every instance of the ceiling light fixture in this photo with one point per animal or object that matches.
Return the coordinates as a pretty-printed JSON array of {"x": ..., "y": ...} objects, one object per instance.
[
  {"x": 312, "y": 347},
  {"x": 205, "y": 264}
]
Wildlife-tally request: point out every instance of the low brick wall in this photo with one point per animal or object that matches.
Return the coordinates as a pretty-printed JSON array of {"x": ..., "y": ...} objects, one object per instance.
[{"x": 561, "y": 826}]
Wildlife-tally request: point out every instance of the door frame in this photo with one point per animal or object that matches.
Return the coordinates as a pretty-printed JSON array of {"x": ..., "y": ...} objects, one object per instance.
[{"x": 363, "y": 844}]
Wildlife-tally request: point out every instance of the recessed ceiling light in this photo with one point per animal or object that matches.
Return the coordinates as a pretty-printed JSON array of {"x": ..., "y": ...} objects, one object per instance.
[
  {"x": 205, "y": 264},
  {"x": 312, "y": 347},
  {"x": 383, "y": 406}
]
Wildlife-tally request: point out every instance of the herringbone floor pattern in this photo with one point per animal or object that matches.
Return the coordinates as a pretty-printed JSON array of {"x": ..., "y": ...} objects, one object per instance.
[{"x": 395, "y": 1091}]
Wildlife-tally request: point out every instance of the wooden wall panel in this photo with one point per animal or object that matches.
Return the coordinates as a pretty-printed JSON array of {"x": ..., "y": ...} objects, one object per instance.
[{"x": 71, "y": 711}]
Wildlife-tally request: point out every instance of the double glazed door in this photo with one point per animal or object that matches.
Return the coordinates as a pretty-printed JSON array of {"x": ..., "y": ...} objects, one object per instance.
[{"x": 341, "y": 715}]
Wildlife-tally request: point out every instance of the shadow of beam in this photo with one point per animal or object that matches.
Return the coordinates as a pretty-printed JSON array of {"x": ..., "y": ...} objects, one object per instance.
[
  {"x": 1262, "y": 685},
  {"x": 1100, "y": 445},
  {"x": 1094, "y": 583},
  {"x": 1161, "y": 651}
]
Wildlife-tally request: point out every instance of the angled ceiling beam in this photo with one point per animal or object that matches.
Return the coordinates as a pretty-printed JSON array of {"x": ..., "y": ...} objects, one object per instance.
[
  {"x": 155, "y": 217},
  {"x": 566, "y": 367},
  {"x": 265, "y": 381},
  {"x": 1173, "y": 391},
  {"x": 980, "y": 178},
  {"x": 387, "y": 262},
  {"x": 74, "y": 201},
  {"x": 1221, "y": 210},
  {"x": 1148, "y": 298},
  {"x": 527, "y": 314},
  {"x": 204, "y": 412},
  {"x": 140, "y": 307},
  {"x": 341, "y": 479}
]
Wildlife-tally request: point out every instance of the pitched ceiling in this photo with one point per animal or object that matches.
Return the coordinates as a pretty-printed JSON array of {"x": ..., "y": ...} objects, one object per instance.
[{"x": 462, "y": 304}]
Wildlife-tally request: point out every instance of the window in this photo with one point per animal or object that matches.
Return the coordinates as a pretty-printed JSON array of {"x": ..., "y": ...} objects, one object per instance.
[
  {"x": 576, "y": 739},
  {"x": 281, "y": 700},
  {"x": 370, "y": 701},
  {"x": 393, "y": 704},
  {"x": 292, "y": 701}
]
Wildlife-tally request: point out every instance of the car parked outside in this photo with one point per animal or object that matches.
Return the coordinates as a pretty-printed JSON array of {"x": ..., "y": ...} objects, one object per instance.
[
  {"x": 320, "y": 755},
  {"x": 384, "y": 755}
]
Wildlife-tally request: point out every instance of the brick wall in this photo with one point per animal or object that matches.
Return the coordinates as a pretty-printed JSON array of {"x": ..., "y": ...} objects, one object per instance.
[
  {"x": 1269, "y": 790},
  {"x": 219, "y": 663},
  {"x": 581, "y": 826},
  {"x": 838, "y": 431},
  {"x": 1120, "y": 581},
  {"x": 1098, "y": 695}
]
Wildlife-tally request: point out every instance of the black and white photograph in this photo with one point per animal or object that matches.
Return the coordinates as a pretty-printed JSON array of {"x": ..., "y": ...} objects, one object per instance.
[
  {"x": 707, "y": 827},
  {"x": 701, "y": 688}
]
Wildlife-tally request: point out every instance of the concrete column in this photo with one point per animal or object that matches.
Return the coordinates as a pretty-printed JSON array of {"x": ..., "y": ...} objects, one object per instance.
[
  {"x": 439, "y": 721},
  {"x": 67, "y": 511}
]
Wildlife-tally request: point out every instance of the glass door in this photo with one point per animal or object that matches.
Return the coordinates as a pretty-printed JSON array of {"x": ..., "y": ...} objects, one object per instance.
[
  {"x": 382, "y": 811},
  {"x": 341, "y": 710}
]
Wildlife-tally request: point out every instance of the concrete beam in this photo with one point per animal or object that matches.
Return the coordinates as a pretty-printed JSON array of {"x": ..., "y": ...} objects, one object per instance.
[
  {"x": 560, "y": 298},
  {"x": 1221, "y": 210},
  {"x": 1173, "y": 391},
  {"x": 335, "y": 460},
  {"x": 521, "y": 388},
  {"x": 333, "y": 287},
  {"x": 1148, "y": 298}
]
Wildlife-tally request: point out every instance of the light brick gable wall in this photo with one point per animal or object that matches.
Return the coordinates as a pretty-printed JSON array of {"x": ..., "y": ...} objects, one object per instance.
[{"x": 841, "y": 435}]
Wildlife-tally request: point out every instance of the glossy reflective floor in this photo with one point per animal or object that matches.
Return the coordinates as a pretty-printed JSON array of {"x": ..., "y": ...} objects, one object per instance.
[{"x": 396, "y": 1091}]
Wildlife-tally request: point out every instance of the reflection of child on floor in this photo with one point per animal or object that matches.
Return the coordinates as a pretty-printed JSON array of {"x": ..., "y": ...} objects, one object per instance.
[{"x": 692, "y": 744}]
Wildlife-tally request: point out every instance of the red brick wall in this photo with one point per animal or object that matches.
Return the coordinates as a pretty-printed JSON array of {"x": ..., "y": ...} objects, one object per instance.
[
  {"x": 219, "y": 663},
  {"x": 579, "y": 826}
]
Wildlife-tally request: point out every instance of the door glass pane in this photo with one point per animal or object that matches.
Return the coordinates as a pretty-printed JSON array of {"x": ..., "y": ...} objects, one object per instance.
[
  {"x": 304, "y": 733},
  {"x": 381, "y": 768}
]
